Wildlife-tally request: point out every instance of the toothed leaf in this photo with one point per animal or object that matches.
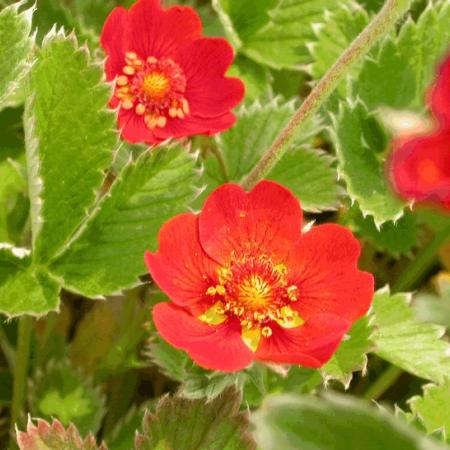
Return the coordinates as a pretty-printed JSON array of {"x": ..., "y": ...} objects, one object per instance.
[
  {"x": 277, "y": 32},
  {"x": 394, "y": 237},
  {"x": 335, "y": 422},
  {"x": 403, "y": 340},
  {"x": 351, "y": 354},
  {"x": 398, "y": 73},
  {"x": 70, "y": 140},
  {"x": 433, "y": 408},
  {"x": 53, "y": 436},
  {"x": 15, "y": 50},
  {"x": 60, "y": 391},
  {"x": 359, "y": 142},
  {"x": 214, "y": 425},
  {"x": 24, "y": 288},
  {"x": 310, "y": 174},
  {"x": 108, "y": 254}
]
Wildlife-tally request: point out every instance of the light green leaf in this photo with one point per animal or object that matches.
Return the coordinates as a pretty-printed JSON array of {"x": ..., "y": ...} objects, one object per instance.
[
  {"x": 70, "y": 140},
  {"x": 398, "y": 73},
  {"x": 214, "y": 425},
  {"x": 335, "y": 422},
  {"x": 407, "y": 343},
  {"x": 310, "y": 176},
  {"x": 276, "y": 33},
  {"x": 24, "y": 288},
  {"x": 256, "y": 129},
  {"x": 394, "y": 237},
  {"x": 15, "y": 50},
  {"x": 433, "y": 408},
  {"x": 12, "y": 185},
  {"x": 107, "y": 255},
  {"x": 351, "y": 354},
  {"x": 62, "y": 392},
  {"x": 334, "y": 36},
  {"x": 255, "y": 77},
  {"x": 359, "y": 142}
]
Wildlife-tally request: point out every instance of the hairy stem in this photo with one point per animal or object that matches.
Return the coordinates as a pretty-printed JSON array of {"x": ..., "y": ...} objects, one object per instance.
[
  {"x": 21, "y": 368},
  {"x": 377, "y": 28}
]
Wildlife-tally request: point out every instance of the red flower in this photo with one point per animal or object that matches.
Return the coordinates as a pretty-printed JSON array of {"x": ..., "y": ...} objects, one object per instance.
[
  {"x": 169, "y": 81},
  {"x": 420, "y": 165},
  {"x": 245, "y": 284}
]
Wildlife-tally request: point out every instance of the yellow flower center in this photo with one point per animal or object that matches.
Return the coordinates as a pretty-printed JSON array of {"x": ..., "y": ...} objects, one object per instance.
[
  {"x": 156, "y": 86},
  {"x": 255, "y": 291}
]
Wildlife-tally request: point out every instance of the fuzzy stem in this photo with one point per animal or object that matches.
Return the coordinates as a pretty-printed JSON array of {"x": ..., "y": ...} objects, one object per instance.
[
  {"x": 377, "y": 28},
  {"x": 21, "y": 368}
]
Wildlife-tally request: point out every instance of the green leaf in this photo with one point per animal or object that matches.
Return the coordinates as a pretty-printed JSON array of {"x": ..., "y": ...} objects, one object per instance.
[
  {"x": 214, "y": 425},
  {"x": 394, "y": 237},
  {"x": 407, "y": 343},
  {"x": 359, "y": 140},
  {"x": 123, "y": 435},
  {"x": 24, "y": 288},
  {"x": 255, "y": 77},
  {"x": 15, "y": 50},
  {"x": 334, "y": 36},
  {"x": 265, "y": 380},
  {"x": 310, "y": 176},
  {"x": 276, "y": 33},
  {"x": 54, "y": 436},
  {"x": 62, "y": 392},
  {"x": 70, "y": 139},
  {"x": 398, "y": 73},
  {"x": 12, "y": 188},
  {"x": 335, "y": 422},
  {"x": 351, "y": 354},
  {"x": 433, "y": 408},
  {"x": 107, "y": 255}
]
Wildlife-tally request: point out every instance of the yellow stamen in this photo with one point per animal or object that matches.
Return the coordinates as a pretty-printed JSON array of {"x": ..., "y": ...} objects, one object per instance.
[
  {"x": 127, "y": 104},
  {"x": 266, "y": 332},
  {"x": 130, "y": 55},
  {"x": 292, "y": 292},
  {"x": 122, "y": 80},
  {"x": 162, "y": 121},
  {"x": 151, "y": 60},
  {"x": 140, "y": 109},
  {"x": 185, "y": 106},
  {"x": 128, "y": 70},
  {"x": 288, "y": 318}
]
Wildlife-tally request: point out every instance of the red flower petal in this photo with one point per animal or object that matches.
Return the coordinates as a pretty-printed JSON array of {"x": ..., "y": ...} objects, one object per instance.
[
  {"x": 310, "y": 345},
  {"x": 192, "y": 125},
  {"x": 266, "y": 220},
  {"x": 134, "y": 130},
  {"x": 440, "y": 94},
  {"x": 323, "y": 264},
  {"x": 180, "y": 267},
  {"x": 420, "y": 167},
  {"x": 208, "y": 91},
  {"x": 158, "y": 32},
  {"x": 111, "y": 40},
  {"x": 212, "y": 347}
]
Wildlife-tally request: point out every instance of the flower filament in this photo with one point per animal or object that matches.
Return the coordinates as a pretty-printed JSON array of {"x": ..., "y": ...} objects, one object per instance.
[
  {"x": 257, "y": 292},
  {"x": 153, "y": 88}
]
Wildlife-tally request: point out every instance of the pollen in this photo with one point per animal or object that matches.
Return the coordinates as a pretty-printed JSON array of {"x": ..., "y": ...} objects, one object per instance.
[
  {"x": 154, "y": 88},
  {"x": 156, "y": 85},
  {"x": 255, "y": 291}
]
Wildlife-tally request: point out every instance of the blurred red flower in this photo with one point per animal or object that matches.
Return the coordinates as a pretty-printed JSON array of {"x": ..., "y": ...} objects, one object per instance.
[
  {"x": 245, "y": 284},
  {"x": 420, "y": 165},
  {"x": 169, "y": 80}
]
